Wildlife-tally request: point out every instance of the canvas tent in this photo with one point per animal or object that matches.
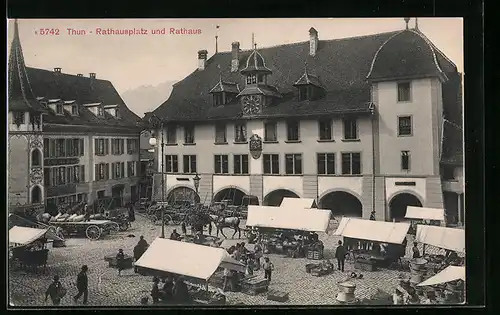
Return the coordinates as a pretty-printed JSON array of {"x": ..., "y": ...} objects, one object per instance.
[
  {"x": 450, "y": 273},
  {"x": 424, "y": 213},
  {"x": 188, "y": 259},
  {"x": 378, "y": 231},
  {"x": 304, "y": 203},
  {"x": 442, "y": 237},
  {"x": 19, "y": 235},
  {"x": 312, "y": 220}
]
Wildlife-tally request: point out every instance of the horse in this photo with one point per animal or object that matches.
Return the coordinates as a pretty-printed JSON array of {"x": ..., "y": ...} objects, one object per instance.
[{"x": 222, "y": 222}]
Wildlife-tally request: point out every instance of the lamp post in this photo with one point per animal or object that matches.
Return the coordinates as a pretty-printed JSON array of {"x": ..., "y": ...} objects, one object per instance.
[
  {"x": 196, "y": 180},
  {"x": 156, "y": 122}
]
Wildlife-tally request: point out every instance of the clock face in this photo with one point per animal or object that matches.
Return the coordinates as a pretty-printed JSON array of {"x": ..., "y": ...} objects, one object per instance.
[{"x": 251, "y": 104}]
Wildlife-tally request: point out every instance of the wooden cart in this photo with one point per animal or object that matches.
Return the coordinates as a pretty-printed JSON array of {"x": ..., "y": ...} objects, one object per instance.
[{"x": 92, "y": 229}]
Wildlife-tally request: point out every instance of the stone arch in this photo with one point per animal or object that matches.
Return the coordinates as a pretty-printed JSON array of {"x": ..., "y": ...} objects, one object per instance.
[
  {"x": 398, "y": 202},
  {"x": 36, "y": 194},
  {"x": 36, "y": 157},
  {"x": 342, "y": 202},
  {"x": 233, "y": 193},
  {"x": 181, "y": 193},
  {"x": 275, "y": 197}
]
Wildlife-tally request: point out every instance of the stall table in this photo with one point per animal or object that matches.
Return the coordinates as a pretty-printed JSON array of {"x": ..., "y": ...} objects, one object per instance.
[{"x": 254, "y": 285}]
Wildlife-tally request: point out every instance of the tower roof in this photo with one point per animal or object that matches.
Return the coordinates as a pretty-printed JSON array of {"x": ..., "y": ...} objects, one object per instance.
[
  {"x": 21, "y": 97},
  {"x": 256, "y": 63}
]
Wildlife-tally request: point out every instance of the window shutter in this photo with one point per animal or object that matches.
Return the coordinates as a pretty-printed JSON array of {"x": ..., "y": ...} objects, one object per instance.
[
  {"x": 97, "y": 172},
  {"x": 113, "y": 170},
  {"x": 122, "y": 146},
  {"x": 82, "y": 173},
  {"x": 122, "y": 171},
  {"x": 82, "y": 149},
  {"x": 107, "y": 170},
  {"x": 106, "y": 146},
  {"x": 96, "y": 146}
]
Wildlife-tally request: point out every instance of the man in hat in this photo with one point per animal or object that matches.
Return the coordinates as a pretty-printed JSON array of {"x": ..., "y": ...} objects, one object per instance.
[
  {"x": 120, "y": 261},
  {"x": 155, "y": 291},
  {"x": 82, "y": 284},
  {"x": 340, "y": 254},
  {"x": 56, "y": 291}
]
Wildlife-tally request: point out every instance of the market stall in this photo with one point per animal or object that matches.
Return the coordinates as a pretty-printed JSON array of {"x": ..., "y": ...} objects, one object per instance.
[
  {"x": 451, "y": 280},
  {"x": 421, "y": 215},
  {"x": 290, "y": 230},
  {"x": 373, "y": 243},
  {"x": 166, "y": 257},
  {"x": 28, "y": 246},
  {"x": 301, "y": 203}
]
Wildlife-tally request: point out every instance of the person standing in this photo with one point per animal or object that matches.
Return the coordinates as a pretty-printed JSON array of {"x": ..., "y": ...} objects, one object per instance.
[
  {"x": 268, "y": 268},
  {"x": 155, "y": 291},
  {"x": 120, "y": 261},
  {"x": 131, "y": 212},
  {"x": 416, "y": 252},
  {"x": 227, "y": 278},
  {"x": 340, "y": 254},
  {"x": 56, "y": 291},
  {"x": 183, "y": 228},
  {"x": 82, "y": 284}
]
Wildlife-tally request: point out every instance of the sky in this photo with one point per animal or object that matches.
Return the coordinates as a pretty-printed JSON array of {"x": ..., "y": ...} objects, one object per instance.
[{"x": 138, "y": 60}]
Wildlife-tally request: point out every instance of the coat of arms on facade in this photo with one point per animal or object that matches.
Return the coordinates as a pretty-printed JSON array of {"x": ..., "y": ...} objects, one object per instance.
[{"x": 255, "y": 146}]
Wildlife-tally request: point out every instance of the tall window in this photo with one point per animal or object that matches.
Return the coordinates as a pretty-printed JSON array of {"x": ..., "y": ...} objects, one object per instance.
[
  {"x": 326, "y": 163},
  {"x": 36, "y": 158},
  {"x": 220, "y": 133},
  {"x": 59, "y": 109},
  {"x": 101, "y": 146},
  {"x": 240, "y": 132},
  {"x": 132, "y": 146},
  {"x": 221, "y": 164},
  {"x": 293, "y": 133},
  {"x": 74, "y": 110},
  {"x": 270, "y": 132},
  {"x": 189, "y": 163},
  {"x": 293, "y": 164},
  {"x": 218, "y": 99},
  {"x": 405, "y": 160},
  {"x": 118, "y": 169},
  {"x": 325, "y": 129},
  {"x": 171, "y": 164},
  {"x": 102, "y": 171},
  {"x": 60, "y": 148},
  {"x": 240, "y": 164},
  {"x": 271, "y": 163},
  {"x": 350, "y": 129},
  {"x": 304, "y": 93},
  {"x": 189, "y": 134},
  {"x": 404, "y": 126},
  {"x": 171, "y": 134},
  {"x": 132, "y": 168},
  {"x": 404, "y": 92},
  {"x": 46, "y": 147},
  {"x": 351, "y": 163},
  {"x": 117, "y": 146}
]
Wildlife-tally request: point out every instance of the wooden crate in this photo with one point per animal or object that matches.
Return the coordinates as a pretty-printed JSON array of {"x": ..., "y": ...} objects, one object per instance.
[
  {"x": 254, "y": 285},
  {"x": 277, "y": 296},
  {"x": 314, "y": 254}
]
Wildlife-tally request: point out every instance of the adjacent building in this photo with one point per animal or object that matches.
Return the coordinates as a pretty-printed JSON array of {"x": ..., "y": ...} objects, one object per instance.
[
  {"x": 360, "y": 124},
  {"x": 71, "y": 137}
]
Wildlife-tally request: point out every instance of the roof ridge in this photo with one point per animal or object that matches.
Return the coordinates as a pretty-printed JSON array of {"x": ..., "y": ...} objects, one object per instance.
[{"x": 69, "y": 74}]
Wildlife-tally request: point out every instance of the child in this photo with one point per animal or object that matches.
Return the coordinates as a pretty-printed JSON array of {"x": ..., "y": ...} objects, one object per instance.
[
  {"x": 120, "y": 258},
  {"x": 268, "y": 268}
]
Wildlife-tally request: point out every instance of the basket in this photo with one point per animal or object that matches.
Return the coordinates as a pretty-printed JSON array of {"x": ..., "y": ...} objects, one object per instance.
[
  {"x": 309, "y": 267},
  {"x": 314, "y": 254}
]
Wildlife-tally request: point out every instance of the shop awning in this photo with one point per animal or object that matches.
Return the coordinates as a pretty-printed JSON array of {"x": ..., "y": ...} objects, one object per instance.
[
  {"x": 25, "y": 235},
  {"x": 304, "y": 203},
  {"x": 187, "y": 259},
  {"x": 442, "y": 237},
  {"x": 313, "y": 220},
  {"x": 228, "y": 243},
  {"x": 378, "y": 231},
  {"x": 424, "y": 213},
  {"x": 450, "y": 273}
]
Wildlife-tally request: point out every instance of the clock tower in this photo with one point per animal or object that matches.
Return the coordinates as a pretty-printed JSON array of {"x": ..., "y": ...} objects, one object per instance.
[{"x": 257, "y": 93}]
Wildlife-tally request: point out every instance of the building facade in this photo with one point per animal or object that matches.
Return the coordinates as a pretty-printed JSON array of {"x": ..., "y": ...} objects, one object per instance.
[
  {"x": 71, "y": 138},
  {"x": 362, "y": 124}
]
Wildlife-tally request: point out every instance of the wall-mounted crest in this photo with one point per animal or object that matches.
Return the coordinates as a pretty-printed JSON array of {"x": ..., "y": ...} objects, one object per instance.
[{"x": 255, "y": 145}]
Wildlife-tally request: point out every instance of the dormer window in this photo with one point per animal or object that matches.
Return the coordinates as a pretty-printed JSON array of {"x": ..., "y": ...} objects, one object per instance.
[
  {"x": 59, "y": 109},
  {"x": 309, "y": 87},
  {"x": 74, "y": 110},
  {"x": 251, "y": 79},
  {"x": 305, "y": 93},
  {"x": 218, "y": 99},
  {"x": 100, "y": 111},
  {"x": 224, "y": 92}
]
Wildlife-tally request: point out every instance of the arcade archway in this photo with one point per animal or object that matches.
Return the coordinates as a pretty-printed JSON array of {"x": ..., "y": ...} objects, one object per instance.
[
  {"x": 342, "y": 204},
  {"x": 183, "y": 195},
  {"x": 275, "y": 197},
  {"x": 399, "y": 203},
  {"x": 234, "y": 195}
]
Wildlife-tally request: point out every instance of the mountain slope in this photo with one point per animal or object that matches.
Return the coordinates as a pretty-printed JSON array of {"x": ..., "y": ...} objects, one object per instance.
[{"x": 146, "y": 98}]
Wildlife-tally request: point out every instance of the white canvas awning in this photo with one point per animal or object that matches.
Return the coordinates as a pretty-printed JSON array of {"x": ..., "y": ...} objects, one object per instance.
[
  {"x": 450, "y": 273},
  {"x": 313, "y": 220},
  {"x": 424, "y": 213},
  {"x": 442, "y": 237},
  {"x": 305, "y": 203},
  {"x": 228, "y": 243},
  {"x": 25, "y": 235},
  {"x": 187, "y": 259},
  {"x": 378, "y": 231}
]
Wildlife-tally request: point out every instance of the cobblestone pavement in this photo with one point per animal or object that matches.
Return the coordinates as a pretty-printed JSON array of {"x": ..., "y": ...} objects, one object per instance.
[{"x": 107, "y": 288}]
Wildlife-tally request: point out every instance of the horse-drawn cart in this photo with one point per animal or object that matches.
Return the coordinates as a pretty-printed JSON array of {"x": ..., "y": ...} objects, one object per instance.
[{"x": 92, "y": 229}]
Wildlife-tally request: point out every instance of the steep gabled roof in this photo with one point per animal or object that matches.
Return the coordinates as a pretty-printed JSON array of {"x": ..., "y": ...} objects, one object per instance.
[{"x": 21, "y": 97}]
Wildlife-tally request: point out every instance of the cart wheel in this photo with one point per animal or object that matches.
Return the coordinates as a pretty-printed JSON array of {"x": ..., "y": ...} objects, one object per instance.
[
  {"x": 114, "y": 227},
  {"x": 124, "y": 226},
  {"x": 93, "y": 232},
  {"x": 167, "y": 218}
]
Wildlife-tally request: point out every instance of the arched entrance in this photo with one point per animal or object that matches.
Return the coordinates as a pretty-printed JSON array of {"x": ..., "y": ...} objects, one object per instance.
[
  {"x": 342, "y": 203},
  {"x": 398, "y": 204},
  {"x": 183, "y": 195},
  {"x": 234, "y": 195},
  {"x": 36, "y": 195},
  {"x": 275, "y": 197}
]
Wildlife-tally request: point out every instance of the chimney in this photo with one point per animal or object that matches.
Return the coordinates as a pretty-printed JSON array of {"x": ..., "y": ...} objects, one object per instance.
[
  {"x": 79, "y": 75},
  {"x": 313, "y": 41},
  {"x": 92, "y": 75},
  {"x": 202, "y": 59},
  {"x": 57, "y": 70},
  {"x": 235, "y": 61}
]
